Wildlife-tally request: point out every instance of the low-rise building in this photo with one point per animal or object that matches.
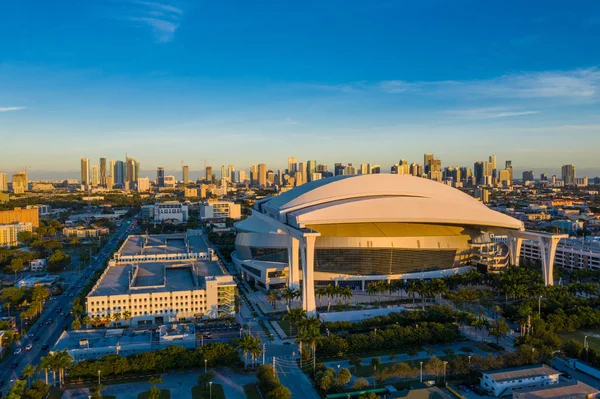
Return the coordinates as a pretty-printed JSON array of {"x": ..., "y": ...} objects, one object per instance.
[
  {"x": 19, "y": 215},
  {"x": 220, "y": 210},
  {"x": 563, "y": 390},
  {"x": 94, "y": 344},
  {"x": 32, "y": 281},
  {"x": 504, "y": 382},
  {"x": 38, "y": 265},
  {"x": 85, "y": 232},
  {"x": 171, "y": 211}
]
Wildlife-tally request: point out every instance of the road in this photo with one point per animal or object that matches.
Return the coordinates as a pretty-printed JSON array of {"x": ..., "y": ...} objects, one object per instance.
[{"x": 45, "y": 333}]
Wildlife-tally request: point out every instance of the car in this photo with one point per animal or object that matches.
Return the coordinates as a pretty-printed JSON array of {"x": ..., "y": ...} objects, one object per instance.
[
  {"x": 28, "y": 347},
  {"x": 30, "y": 335},
  {"x": 14, "y": 365},
  {"x": 49, "y": 321},
  {"x": 45, "y": 346},
  {"x": 567, "y": 376},
  {"x": 71, "y": 295},
  {"x": 17, "y": 351},
  {"x": 36, "y": 339}
]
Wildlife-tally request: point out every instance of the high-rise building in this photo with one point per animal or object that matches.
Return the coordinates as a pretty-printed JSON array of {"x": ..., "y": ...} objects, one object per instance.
[
  {"x": 110, "y": 182},
  {"x": 292, "y": 165},
  {"x": 338, "y": 169},
  {"x": 132, "y": 172},
  {"x": 365, "y": 169},
  {"x": 3, "y": 182},
  {"x": 85, "y": 171},
  {"x": 301, "y": 174},
  {"x": 311, "y": 167},
  {"x": 544, "y": 177},
  {"x": 262, "y": 175},
  {"x": 20, "y": 183},
  {"x": 321, "y": 168},
  {"x": 270, "y": 177},
  {"x": 568, "y": 173},
  {"x": 143, "y": 184},
  {"x": 416, "y": 169},
  {"x": 493, "y": 162},
  {"x": 20, "y": 215},
  {"x": 427, "y": 161},
  {"x": 103, "y": 171},
  {"x": 95, "y": 176},
  {"x": 254, "y": 175},
  {"x": 479, "y": 172},
  {"x": 208, "y": 176},
  {"x": 527, "y": 176},
  {"x": 508, "y": 166},
  {"x": 160, "y": 176},
  {"x": 242, "y": 176},
  {"x": 119, "y": 174},
  {"x": 230, "y": 172},
  {"x": 186, "y": 174},
  {"x": 223, "y": 172}
]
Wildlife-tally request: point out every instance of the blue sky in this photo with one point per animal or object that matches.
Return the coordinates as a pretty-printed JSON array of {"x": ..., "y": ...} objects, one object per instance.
[{"x": 239, "y": 82}]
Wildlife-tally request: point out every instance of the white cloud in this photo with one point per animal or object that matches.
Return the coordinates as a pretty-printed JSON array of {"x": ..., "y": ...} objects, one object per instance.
[
  {"x": 164, "y": 19},
  {"x": 489, "y": 112},
  {"x": 7, "y": 109}
]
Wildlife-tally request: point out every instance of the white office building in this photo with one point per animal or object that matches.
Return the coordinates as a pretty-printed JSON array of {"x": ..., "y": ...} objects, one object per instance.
[
  {"x": 171, "y": 211},
  {"x": 220, "y": 210},
  {"x": 503, "y": 382}
]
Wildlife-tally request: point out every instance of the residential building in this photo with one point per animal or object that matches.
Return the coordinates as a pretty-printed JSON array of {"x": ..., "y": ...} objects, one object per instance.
[
  {"x": 170, "y": 182},
  {"x": 20, "y": 182},
  {"x": 160, "y": 177},
  {"x": 503, "y": 382},
  {"x": 18, "y": 215},
  {"x": 83, "y": 232},
  {"x": 292, "y": 165},
  {"x": 262, "y": 175},
  {"x": 85, "y": 171},
  {"x": 103, "y": 172},
  {"x": 38, "y": 265},
  {"x": 119, "y": 173},
  {"x": 208, "y": 174},
  {"x": 9, "y": 233},
  {"x": 220, "y": 210},
  {"x": 95, "y": 176},
  {"x": 143, "y": 184},
  {"x": 3, "y": 182},
  {"x": 568, "y": 173},
  {"x": 528, "y": 176},
  {"x": 190, "y": 192},
  {"x": 186, "y": 174}
]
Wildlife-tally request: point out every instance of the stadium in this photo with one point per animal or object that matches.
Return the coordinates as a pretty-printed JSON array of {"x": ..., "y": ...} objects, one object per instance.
[{"x": 349, "y": 230}]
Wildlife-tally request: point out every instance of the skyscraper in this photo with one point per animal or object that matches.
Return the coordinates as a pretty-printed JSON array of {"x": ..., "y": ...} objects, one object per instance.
[
  {"x": 95, "y": 177},
  {"x": 3, "y": 182},
  {"x": 208, "y": 174},
  {"x": 292, "y": 165},
  {"x": 427, "y": 161},
  {"x": 103, "y": 171},
  {"x": 119, "y": 174},
  {"x": 254, "y": 175},
  {"x": 479, "y": 172},
  {"x": 132, "y": 172},
  {"x": 262, "y": 175},
  {"x": 528, "y": 175},
  {"x": 186, "y": 174},
  {"x": 223, "y": 172},
  {"x": 568, "y": 174},
  {"x": 311, "y": 167},
  {"x": 493, "y": 161},
  {"x": 110, "y": 182},
  {"x": 230, "y": 172},
  {"x": 85, "y": 171},
  {"x": 508, "y": 166},
  {"x": 160, "y": 176}
]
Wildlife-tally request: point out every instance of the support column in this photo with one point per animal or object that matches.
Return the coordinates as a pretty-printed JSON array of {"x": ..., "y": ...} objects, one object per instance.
[
  {"x": 293, "y": 269},
  {"x": 548, "y": 253},
  {"x": 514, "y": 247},
  {"x": 307, "y": 254}
]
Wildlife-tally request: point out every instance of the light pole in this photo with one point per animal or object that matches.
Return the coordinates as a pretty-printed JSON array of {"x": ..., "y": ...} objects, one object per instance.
[
  {"x": 421, "y": 379},
  {"x": 264, "y": 352},
  {"x": 98, "y": 377},
  {"x": 445, "y": 363},
  {"x": 338, "y": 372},
  {"x": 205, "y": 365},
  {"x": 210, "y": 389},
  {"x": 540, "y": 306},
  {"x": 469, "y": 360},
  {"x": 241, "y": 329}
]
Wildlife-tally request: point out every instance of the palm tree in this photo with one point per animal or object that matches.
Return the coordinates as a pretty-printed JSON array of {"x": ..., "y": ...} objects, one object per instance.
[
  {"x": 309, "y": 323},
  {"x": 117, "y": 316},
  {"x": 63, "y": 360},
  {"x": 330, "y": 292},
  {"x": 320, "y": 292},
  {"x": 107, "y": 320},
  {"x": 311, "y": 338},
  {"x": 371, "y": 290},
  {"x": 127, "y": 316},
  {"x": 288, "y": 294},
  {"x": 96, "y": 321},
  {"x": 87, "y": 320},
  {"x": 273, "y": 298},
  {"x": 46, "y": 364},
  {"x": 347, "y": 294},
  {"x": 248, "y": 344},
  {"x": 294, "y": 316},
  {"x": 28, "y": 372}
]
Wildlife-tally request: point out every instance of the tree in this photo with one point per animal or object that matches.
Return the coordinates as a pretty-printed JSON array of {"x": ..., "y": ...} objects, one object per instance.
[
  {"x": 288, "y": 294},
  {"x": 28, "y": 372},
  {"x": 87, "y": 320},
  {"x": 97, "y": 391},
  {"x": 13, "y": 295},
  {"x": 154, "y": 392},
  {"x": 326, "y": 379},
  {"x": 294, "y": 316},
  {"x": 127, "y": 316},
  {"x": 435, "y": 367},
  {"x": 77, "y": 308},
  {"x": 76, "y": 324},
  {"x": 25, "y": 236},
  {"x": 205, "y": 378},
  {"x": 16, "y": 265},
  {"x": 369, "y": 395},
  {"x": 573, "y": 348},
  {"x": 376, "y": 361},
  {"x": 360, "y": 384},
  {"x": 58, "y": 260},
  {"x": 343, "y": 377},
  {"x": 499, "y": 329},
  {"x": 273, "y": 298},
  {"x": 249, "y": 345},
  {"x": 280, "y": 392},
  {"x": 355, "y": 361}
]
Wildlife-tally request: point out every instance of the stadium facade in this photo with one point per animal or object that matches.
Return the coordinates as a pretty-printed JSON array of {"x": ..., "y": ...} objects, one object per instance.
[{"x": 349, "y": 230}]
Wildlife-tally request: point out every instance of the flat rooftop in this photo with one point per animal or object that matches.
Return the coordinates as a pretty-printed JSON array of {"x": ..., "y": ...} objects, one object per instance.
[
  {"x": 156, "y": 277},
  {"x": 100, "y": 338},
  {"x": 563, "y": 390},
  {"x": 522, "y": 372},
  {"x": 162, "y": 244}
]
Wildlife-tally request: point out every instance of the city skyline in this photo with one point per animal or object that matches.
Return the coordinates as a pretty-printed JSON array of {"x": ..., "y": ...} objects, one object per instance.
[{"x": 166, "y": 81}]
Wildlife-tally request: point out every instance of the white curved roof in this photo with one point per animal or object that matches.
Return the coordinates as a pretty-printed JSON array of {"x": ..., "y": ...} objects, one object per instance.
[{"x": 381, "y": 198}]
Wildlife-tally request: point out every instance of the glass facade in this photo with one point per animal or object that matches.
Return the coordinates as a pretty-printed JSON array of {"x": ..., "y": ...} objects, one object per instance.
[{"x": 269, "y": 254}]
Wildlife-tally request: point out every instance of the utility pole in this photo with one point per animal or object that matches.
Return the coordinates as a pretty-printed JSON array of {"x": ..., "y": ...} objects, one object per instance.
[
  {"x": 274, "y": 373},
  {"x": 421, "y": 379},
  {"x": 264, "y": 352}
]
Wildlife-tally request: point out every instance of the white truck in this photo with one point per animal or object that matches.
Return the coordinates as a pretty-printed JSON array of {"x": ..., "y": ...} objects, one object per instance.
[{"x": 583, "y": 367}]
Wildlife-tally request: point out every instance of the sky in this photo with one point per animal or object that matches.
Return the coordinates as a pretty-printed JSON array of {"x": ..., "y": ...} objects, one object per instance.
[{"x": 240, "y": 82}]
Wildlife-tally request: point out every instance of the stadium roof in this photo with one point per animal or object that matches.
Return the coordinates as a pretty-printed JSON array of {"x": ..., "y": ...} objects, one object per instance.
[{"x": 381, "y": 198}]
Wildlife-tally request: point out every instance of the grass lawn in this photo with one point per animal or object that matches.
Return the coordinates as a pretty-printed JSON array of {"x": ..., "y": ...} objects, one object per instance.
[
  {"x": 484, "y": 347},
  {"x": 199, "y": 392},
  {"x": 285, "y": 326},
  {"x": 164, "y": 394},
  {"x": 593, "y": 337},
  {"x": 251, "y": 391},
  {"x": 366, "y": 370},
  {"x": 55, "y": 394}
]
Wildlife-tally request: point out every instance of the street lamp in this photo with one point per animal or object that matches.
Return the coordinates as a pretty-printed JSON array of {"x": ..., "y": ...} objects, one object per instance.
[
  {"x": 98, "y": 377},
  {"x": 338, "y": 372},
  {"x": 469, "y": 360},
  {"x": 205, "y": 365},
  {"x": 445, "y": 363},
  {"x": 241, "y": 329},
  {"x": 264, "y": 352},
  {"x": 210, "y": 389},
  {"x": 421, "y": 379}
]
